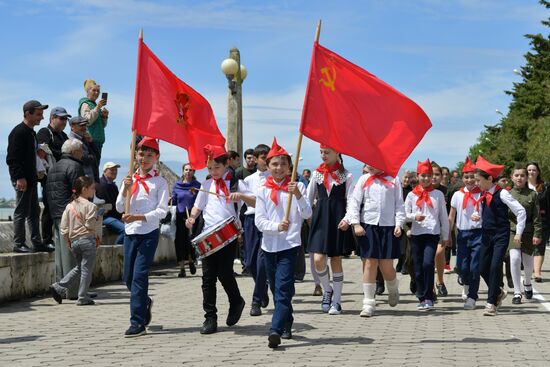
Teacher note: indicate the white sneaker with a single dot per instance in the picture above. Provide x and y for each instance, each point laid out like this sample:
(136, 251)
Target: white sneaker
(465, 290)
(335, 309)
(393, 298)
(369, 305)
(470, 304)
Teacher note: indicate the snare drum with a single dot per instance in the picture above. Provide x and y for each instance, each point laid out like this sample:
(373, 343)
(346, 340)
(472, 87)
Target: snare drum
(217, 237)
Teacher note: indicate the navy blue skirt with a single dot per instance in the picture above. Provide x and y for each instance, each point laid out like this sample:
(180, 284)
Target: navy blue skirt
(378, 243)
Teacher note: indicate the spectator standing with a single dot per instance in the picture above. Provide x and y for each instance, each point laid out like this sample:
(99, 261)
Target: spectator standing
(78, 132)
(22, 160)
(45, 161)
(96, 115)
(53, 134)
(249, 165)
(107, 190)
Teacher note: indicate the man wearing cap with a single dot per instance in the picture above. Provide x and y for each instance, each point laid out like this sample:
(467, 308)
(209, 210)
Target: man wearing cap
(107, 190)
(21, 160)
(53, 134)
(78, 131)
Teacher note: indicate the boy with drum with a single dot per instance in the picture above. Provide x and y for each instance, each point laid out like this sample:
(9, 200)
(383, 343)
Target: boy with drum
(218, 200)
(281, 238)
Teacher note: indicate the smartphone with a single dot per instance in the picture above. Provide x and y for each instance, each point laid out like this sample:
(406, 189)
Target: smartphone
(104, 96)
(100, 212)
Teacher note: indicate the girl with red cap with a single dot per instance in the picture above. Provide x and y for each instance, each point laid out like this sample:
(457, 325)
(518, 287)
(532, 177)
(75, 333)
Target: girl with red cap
(377, 214)
(495, 230)
(219, 200)
(331, 186)
(425, 208)
(281, 238)
(148, 205)
(466, 208)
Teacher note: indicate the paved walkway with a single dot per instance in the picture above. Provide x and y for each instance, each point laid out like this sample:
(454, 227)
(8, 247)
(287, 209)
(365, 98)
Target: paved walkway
(38, 332)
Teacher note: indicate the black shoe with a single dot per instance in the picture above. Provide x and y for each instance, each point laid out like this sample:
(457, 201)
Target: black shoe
(50, 247)
(86, 302)
(235, 312)
(255, 310)
(528, 293)
(92, 294)
(380, 289)
(265, 301)
(441, 290)
(192, 268)
(459, 280)
(210, 326)
(148, 312)
(182, 274)
(538, 280)
(134, 331)
(287, 333)
(412, 287)
(56, 296)
(517, 299)
(22, 249)
(404, 271)
(273, 340)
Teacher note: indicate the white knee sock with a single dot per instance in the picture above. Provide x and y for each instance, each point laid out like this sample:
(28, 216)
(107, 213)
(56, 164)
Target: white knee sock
(369, 290)
(324, 279)
(337, 283)
(392, 285)
(528, 267)
(515, 269)
(313, 271)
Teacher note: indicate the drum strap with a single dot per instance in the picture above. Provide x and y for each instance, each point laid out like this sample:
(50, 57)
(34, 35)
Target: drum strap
(234, 187)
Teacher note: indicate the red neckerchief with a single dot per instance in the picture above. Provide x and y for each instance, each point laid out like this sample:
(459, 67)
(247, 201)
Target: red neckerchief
(220, 184)
(380, 177)
(469, 195)
(138, 179)
(489, 197)
(271, 184)
(326, 171)
(423, 195)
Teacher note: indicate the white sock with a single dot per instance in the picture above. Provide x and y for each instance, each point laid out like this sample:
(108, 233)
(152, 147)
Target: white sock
(528, 267)
(392, 285)
(515, 269)
(324, 279)
(313, 271)
(369, 290)
(337, 283)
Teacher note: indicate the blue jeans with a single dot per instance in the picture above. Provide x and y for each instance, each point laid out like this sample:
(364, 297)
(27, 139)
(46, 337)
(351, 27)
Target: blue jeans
(139, 252)
(491, 256)
(280, 267)
(423, 253)
(117, 226)
(467, 259)
(255, 262)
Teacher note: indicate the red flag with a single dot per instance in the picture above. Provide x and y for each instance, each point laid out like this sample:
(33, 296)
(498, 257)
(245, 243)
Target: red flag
(168, 109)
(357, 114)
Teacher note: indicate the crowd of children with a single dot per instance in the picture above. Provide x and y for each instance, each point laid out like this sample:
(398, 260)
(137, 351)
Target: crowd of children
(378, 218)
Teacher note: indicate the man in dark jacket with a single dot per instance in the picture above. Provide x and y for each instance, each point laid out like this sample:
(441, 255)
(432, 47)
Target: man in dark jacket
(89, 161)
(21, 160)
(107, 190)
(53, 134)
(59, 187)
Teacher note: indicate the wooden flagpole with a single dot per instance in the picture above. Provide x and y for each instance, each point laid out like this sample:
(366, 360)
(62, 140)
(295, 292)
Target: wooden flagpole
(299, 145)
(133, 144)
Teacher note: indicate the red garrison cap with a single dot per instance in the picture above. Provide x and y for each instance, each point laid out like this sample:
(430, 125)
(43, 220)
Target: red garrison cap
(424, 167)
(213, 151)
(492, 169)
(276, 150)
(149, 143)
(468, 166)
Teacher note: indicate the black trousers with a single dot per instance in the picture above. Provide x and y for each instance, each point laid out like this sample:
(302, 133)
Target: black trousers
(46, 221)
(219, 266)
(182, 243)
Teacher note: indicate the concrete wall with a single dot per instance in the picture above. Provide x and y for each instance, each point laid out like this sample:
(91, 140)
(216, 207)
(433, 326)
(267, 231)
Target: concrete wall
(27, 275)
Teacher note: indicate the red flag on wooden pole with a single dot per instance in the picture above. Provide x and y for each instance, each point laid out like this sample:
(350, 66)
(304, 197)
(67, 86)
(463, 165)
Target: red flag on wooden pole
(357, 114)
(168, 109)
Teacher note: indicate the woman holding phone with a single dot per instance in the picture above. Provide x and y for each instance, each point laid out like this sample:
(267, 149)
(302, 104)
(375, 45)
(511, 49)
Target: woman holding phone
(95, 113)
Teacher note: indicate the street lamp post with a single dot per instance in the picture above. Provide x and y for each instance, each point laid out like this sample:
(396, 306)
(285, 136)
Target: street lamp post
(235, 73)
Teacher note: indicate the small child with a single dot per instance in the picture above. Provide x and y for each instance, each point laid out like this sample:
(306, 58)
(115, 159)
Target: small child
(222, 203)
(495, 230)
(466, 208)
(425, 207)
(148, 205)
(281, 238)
(79, 227)
(531, 237)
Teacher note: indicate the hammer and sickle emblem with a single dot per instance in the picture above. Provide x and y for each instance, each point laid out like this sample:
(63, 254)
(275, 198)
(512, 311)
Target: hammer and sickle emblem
(329, 77)
(182, 104)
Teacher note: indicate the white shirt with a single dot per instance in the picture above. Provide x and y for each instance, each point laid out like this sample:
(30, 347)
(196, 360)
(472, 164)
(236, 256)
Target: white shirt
(436, 221)
(216, 209)
(269, 216)
(382, 204)
(464, 220)
(515, 207)
(253, 183)
(153, 205)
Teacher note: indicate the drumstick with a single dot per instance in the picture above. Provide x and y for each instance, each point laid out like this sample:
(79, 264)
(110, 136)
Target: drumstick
(208, 192)
(190, 229)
